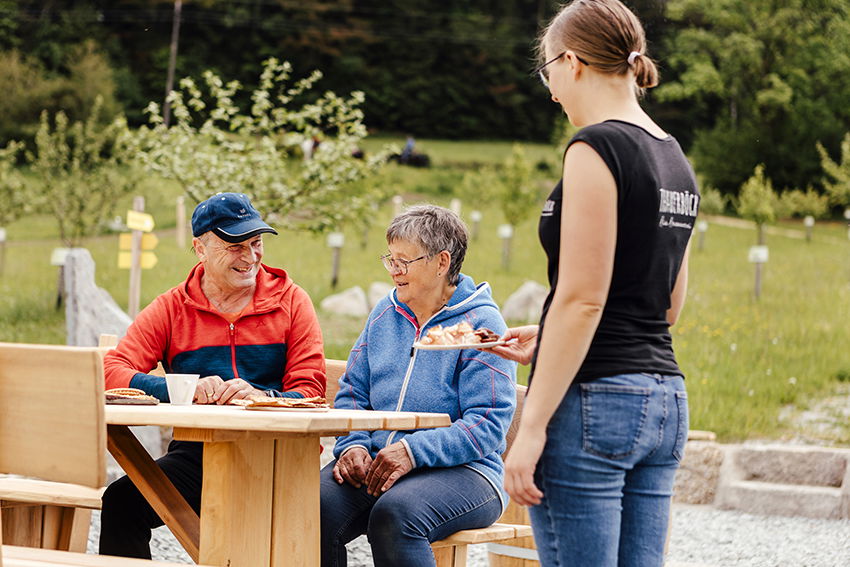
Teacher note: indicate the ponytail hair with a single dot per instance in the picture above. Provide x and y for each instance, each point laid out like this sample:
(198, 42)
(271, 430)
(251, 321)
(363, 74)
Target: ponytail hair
(607, 35)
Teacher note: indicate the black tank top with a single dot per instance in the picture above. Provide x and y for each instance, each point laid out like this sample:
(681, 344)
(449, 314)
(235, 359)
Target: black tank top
(657, 201)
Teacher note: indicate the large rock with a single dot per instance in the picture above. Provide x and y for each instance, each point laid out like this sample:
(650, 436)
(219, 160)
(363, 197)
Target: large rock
(378, 291)
(526, 303)
(699, 474)
(89, 310)
(351, 302)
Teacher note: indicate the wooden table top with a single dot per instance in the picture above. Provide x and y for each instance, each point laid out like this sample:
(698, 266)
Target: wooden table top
(236, 418)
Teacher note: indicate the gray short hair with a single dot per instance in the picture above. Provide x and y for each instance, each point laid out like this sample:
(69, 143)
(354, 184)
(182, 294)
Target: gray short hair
(435, 229)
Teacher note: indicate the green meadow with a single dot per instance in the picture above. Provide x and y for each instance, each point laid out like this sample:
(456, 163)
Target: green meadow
(745, 359)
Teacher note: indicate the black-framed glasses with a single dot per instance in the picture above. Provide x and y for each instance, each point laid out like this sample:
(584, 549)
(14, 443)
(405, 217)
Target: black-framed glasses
(398, 265)
(544, 74)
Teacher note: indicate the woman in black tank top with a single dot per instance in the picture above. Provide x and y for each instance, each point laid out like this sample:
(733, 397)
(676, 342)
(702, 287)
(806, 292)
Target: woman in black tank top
(606, 417)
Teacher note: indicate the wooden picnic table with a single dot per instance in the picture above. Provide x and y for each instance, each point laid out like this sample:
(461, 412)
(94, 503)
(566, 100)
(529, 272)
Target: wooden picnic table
(260, 500)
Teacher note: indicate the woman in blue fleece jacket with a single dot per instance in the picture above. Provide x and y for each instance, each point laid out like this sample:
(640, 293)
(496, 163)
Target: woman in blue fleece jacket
(406, 489)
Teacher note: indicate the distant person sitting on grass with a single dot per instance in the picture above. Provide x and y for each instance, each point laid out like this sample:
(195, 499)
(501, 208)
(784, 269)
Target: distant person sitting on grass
(245, 327)
(406, 489)
(407, 152)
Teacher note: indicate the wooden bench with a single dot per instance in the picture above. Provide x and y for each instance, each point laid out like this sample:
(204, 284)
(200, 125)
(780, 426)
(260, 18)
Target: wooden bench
(452, 551)
(52, 427)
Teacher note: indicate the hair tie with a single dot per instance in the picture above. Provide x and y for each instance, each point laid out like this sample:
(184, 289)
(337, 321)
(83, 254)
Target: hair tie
(632, 56)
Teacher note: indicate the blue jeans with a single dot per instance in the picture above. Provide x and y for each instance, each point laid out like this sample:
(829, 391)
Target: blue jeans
(612, 450)
(424, 505)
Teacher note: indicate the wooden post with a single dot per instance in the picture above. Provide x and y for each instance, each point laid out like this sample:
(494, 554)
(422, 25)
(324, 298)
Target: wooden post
(135, 264)
(506, 232)
(336, 240)
(172, 61)
(475, 216)
(702, 227)
(181, 222)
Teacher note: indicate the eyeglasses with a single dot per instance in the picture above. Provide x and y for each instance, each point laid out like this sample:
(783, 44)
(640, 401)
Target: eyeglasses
(401, 266)
(543, 73)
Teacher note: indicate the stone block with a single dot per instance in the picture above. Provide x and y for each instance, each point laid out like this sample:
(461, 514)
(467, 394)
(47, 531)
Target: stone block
(351, 302)
(378, 291)
(813, 466)
(770, 499)
(526, 303)
(699, 473)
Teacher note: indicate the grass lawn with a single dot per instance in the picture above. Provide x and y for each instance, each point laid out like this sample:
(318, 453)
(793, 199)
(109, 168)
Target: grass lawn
(744, 359)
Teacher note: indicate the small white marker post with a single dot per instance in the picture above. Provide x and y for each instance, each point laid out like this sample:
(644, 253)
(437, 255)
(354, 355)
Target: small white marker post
(455, 206)
(2, 249)
(181, 222)
(336, 240)
(702, 227)
(475, 217)
(758, 255)
(57, 258)
(506, 232)
(398, 203)
(809, 223)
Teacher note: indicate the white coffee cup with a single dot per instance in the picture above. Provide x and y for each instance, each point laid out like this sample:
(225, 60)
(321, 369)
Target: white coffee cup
(181, 388)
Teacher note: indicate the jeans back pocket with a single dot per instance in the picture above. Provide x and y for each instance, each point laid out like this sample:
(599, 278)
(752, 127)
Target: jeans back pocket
(612, 418)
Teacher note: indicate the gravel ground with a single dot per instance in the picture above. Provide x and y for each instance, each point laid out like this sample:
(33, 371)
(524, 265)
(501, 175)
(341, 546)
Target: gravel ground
(701, 535)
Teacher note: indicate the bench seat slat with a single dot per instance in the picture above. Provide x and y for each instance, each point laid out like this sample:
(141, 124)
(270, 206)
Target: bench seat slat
(14, 556)
(52, 493)
(496, 532)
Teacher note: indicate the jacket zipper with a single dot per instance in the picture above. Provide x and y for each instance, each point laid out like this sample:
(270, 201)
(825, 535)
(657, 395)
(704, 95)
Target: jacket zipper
(407, 374)
(233, 350)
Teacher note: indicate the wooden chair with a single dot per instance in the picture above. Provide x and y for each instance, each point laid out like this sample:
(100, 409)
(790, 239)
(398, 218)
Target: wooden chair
(52, 427)
(452, 551)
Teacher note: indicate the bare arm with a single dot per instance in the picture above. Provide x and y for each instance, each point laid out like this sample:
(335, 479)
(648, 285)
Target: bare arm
(680, 290)
(586, 263)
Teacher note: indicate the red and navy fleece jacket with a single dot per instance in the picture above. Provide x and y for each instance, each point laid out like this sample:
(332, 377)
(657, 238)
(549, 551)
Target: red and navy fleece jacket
(276, 346)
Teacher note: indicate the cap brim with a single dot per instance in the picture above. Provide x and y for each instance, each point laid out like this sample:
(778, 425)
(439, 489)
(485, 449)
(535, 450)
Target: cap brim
(242, 231)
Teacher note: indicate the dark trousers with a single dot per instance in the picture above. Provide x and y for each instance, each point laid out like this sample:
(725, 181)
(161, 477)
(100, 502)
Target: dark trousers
(127, 519)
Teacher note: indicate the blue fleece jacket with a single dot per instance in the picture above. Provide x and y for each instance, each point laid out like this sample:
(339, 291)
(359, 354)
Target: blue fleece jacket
(477, 389)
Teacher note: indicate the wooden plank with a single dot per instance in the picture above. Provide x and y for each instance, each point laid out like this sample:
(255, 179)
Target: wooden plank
(75, 533)
(22, 525)
(236, 524)
(46, 492)
(454, 556)
(53, 394)
(295, 517)
(155, 487)
(14, 556)
(239, 419)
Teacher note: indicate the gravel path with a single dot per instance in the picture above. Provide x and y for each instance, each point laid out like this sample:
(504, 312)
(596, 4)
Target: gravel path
(702, 535)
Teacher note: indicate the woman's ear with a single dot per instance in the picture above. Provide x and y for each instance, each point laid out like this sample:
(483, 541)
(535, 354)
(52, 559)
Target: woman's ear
(445, 262)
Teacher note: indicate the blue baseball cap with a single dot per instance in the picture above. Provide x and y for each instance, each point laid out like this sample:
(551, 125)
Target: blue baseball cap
(230, 216)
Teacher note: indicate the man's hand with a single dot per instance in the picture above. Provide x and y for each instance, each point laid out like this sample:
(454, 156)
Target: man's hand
(353, 466)
(206, 388)
(391, 463)
(235, 389)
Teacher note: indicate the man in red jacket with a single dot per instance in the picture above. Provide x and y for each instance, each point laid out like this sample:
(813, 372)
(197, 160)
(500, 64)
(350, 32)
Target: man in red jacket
(245, 327)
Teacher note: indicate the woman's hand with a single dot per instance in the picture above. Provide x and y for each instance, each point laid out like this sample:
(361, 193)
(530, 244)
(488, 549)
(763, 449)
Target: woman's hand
(206, 388)
(521, 346)
(520, 464)
(353, 466)
(391, 463)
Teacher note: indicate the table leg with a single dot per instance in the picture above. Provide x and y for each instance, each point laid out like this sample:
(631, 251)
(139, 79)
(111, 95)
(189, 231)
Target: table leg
(295, 534)
(236, 503)
(155, 487)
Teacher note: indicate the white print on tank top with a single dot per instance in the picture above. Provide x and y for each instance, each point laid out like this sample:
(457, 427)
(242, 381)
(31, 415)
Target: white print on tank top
(548, 208)
(678, 203)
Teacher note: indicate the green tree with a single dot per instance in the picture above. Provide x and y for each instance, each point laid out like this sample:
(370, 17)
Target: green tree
(82, 169)
(837, 183)
(15, 201)
(517, 193)
(765, 75)
(712, 201)
(758, 202)
(214, 146)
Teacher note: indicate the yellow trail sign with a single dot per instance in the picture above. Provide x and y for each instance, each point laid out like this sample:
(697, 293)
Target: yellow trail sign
(148, 260)
(139, 221)
(149, 241)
